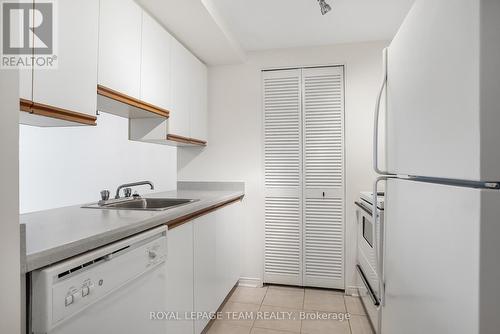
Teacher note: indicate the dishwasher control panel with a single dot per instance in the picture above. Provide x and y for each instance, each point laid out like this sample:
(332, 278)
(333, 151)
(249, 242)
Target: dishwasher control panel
(76, 293)
(69, 287)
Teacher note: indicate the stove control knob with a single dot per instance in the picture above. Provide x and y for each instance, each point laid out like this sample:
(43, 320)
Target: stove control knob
(152, 254)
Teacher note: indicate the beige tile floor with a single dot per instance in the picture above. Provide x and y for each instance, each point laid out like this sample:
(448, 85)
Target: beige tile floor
(292, 301)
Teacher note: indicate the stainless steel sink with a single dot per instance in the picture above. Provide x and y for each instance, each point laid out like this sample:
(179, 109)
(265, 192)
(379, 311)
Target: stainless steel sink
(146, 204)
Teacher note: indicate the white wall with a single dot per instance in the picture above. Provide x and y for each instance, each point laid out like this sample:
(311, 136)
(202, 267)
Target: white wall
(67, 166)
(234, 149)
(10, 279)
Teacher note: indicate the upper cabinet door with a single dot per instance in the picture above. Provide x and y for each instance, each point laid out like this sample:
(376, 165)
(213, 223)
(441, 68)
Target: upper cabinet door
(182, 65)
(26, 74)
(156, 66)
(120, 46)
(72, 85)
(198, 107)
(26, 84)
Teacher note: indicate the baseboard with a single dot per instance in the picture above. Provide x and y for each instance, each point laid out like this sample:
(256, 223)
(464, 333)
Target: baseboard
(351, 291)
(250, 282)
(211, 322)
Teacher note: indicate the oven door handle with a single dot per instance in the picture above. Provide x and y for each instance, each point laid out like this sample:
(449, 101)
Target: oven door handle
(367, 285)
(368, 211)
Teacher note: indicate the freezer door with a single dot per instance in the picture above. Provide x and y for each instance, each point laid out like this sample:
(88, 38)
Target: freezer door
(443, 91)
(431, 259)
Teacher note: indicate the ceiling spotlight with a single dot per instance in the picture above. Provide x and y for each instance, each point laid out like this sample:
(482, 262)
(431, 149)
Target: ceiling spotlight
(325, 8)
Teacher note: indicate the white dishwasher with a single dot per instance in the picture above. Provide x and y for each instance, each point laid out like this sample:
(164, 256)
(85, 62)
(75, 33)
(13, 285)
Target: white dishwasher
(109, 290)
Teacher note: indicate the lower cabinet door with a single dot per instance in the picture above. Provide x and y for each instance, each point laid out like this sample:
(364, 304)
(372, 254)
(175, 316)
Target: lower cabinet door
(228, 250)
(234, 247)
(205, 271)
(180, 278)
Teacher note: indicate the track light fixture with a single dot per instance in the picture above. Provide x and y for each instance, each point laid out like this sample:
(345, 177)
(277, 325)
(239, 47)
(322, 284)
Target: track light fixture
(325, 7)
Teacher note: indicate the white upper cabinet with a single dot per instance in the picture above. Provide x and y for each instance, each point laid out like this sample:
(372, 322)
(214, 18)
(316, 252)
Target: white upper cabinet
(66, 94)
(120, 46)
(26, 84)
(199, 102)
(171, 78)
(26, 75)
(72, 85)
(189, 95)
(156, 73)
(182, 64)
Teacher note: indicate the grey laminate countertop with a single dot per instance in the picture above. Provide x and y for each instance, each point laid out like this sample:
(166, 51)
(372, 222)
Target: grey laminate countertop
(58, 234)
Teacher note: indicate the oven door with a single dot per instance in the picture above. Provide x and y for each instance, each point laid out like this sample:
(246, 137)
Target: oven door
(366, 246)
(366, 271)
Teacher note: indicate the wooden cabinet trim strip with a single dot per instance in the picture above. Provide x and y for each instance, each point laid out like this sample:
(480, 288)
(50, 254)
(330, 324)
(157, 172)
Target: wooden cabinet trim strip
(25, 105)
(186, 140)
(179, 139)
(198, 142)
(131, 101)
(55, 112)
(187, 218)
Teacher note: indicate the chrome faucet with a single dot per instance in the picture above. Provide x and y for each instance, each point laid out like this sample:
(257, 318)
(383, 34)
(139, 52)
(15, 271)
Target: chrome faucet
(128, 185)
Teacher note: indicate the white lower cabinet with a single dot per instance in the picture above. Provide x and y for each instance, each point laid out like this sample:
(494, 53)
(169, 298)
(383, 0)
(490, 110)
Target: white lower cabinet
(203, 267)
(205, 273)
(227, 260)
(180, 277)
(216, 260)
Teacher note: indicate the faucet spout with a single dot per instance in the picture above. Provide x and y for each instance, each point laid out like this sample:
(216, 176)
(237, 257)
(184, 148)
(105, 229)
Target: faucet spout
(128, 185)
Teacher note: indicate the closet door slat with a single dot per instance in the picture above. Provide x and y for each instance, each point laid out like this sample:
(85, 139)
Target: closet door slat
(323, 225)
(283, 176)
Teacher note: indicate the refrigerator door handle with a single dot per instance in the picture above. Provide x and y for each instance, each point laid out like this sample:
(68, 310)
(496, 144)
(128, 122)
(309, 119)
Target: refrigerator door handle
(383, 86)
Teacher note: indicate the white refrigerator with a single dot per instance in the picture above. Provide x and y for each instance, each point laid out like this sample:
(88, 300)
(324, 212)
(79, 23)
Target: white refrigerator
(441, 256)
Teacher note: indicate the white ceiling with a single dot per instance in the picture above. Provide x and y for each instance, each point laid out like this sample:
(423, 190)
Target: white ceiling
(271, 24)
(198, 25)
(222, 31)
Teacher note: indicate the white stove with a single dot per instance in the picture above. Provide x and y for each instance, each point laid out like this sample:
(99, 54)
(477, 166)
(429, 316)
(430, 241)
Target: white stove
(368, 240)
(367, 196)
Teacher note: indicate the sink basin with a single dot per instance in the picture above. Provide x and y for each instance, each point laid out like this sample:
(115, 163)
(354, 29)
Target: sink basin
(146, 204)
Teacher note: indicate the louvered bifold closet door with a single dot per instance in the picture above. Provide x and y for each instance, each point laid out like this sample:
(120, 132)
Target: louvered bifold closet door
(323, 227)
(283, 176)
